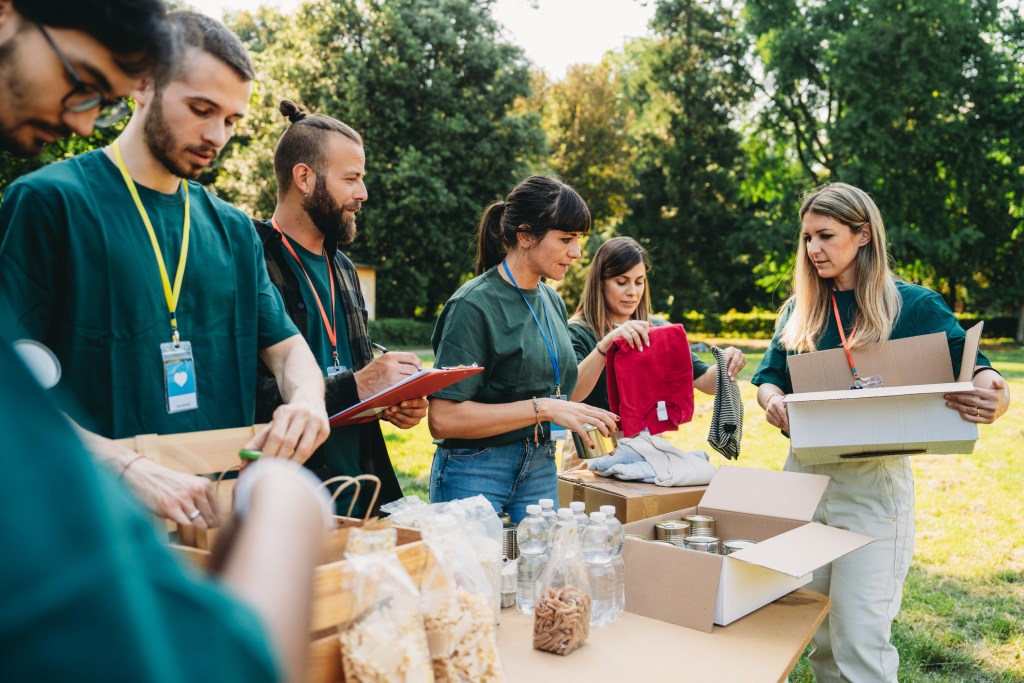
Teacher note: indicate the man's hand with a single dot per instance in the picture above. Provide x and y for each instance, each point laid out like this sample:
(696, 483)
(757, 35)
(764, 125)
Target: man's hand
(407, 413)
(174, 495)
(298, 429)
(386, 371)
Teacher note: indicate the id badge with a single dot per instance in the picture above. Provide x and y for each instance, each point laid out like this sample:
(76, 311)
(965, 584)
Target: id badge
(179, 377)
(557, 433)
(333, 370)
(872, 382)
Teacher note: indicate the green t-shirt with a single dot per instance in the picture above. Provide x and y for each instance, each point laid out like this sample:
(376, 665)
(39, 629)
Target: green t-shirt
(88, 591)
(923, 312)
(78, 270)
(583, 343)
(341, 450)
(487, 322)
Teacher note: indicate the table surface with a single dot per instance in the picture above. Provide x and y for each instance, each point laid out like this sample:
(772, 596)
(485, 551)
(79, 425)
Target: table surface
(762, 646)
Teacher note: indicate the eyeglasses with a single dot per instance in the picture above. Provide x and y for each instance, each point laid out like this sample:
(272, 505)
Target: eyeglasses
(86, 96)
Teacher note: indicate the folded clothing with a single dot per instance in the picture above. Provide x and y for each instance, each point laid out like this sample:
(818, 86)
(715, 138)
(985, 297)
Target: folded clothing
(651, 389)
(654, 460)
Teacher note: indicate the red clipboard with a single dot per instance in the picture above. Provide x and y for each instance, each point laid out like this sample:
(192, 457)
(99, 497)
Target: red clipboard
(423, 383)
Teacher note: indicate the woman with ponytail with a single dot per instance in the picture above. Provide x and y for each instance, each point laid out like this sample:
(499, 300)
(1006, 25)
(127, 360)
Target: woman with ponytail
(495, 429)
(845, 295)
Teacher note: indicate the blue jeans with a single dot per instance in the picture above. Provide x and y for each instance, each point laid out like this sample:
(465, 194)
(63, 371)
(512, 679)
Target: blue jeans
(511, 476)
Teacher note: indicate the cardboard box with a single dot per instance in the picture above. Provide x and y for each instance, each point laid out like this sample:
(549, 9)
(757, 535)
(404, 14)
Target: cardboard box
(830, 423)
(697, 589)
(633, 500)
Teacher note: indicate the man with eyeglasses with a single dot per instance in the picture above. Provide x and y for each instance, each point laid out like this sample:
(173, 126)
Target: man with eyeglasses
(48, 92)
(87, 589)
(152, 292)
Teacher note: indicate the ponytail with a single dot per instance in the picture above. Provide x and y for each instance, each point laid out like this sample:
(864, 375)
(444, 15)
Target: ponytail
(491, 245)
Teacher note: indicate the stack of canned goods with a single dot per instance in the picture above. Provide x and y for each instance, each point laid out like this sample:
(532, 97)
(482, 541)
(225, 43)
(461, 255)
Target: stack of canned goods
(702, 534)
(672, 531)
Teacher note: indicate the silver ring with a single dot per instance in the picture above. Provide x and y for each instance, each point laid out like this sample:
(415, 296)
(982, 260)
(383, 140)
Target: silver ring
(192, 515)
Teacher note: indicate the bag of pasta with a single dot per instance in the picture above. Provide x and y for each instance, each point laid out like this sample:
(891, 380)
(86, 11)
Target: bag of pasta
(561, 622)
(458, 614)
(385, 641)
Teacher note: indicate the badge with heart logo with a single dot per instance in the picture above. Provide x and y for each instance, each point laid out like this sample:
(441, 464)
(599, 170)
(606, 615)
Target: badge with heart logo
(179, 376)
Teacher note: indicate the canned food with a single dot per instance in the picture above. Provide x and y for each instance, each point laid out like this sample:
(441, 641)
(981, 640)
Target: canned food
(701, 525)
(603, 445)
(509, 543)
(705, 544)
(734, 544)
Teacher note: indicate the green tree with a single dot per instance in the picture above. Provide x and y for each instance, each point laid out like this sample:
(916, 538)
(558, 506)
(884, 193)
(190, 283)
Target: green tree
(688, 84)
(914, 102)
(431, 87)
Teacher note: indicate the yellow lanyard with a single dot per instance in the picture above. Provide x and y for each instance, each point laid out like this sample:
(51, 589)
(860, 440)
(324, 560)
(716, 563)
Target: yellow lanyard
(172, 295)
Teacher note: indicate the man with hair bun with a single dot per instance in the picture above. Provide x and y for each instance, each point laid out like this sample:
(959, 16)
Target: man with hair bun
(320, 166)
(152, 292)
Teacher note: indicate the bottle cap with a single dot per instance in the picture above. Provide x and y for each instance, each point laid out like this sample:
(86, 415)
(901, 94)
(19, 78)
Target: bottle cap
(564, 513)
(533, 509)
(577, 506)
(597, 517)
(608, 510)
(246, 454)
(546, 503)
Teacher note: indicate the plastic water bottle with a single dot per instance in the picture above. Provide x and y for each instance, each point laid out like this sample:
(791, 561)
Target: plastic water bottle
(532, 537)
(619, 536)
(578, 508)
(598, 551)
(547, 511)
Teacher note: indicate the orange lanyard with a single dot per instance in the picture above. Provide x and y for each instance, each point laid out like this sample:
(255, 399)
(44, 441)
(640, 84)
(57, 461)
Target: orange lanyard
(330, 325)
(842, 336)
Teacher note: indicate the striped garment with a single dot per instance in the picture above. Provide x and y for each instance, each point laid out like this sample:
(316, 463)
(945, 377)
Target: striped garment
(727, 421)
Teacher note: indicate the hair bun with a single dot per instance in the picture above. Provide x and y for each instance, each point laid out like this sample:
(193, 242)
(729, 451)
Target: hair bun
(291, 110)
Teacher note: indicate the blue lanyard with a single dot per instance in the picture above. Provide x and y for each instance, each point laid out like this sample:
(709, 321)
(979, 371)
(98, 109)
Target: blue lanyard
(551, 347)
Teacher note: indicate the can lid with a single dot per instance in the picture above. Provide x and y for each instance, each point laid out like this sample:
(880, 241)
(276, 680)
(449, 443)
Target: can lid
(246, 454)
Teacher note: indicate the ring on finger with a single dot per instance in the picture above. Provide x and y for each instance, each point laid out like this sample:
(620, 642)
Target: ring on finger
(977, 411)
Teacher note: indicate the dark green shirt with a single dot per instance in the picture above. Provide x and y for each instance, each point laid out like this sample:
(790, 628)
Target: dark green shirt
(487, 322)
(87, 590)
(923, 312)
(341, 450)
(78, 269)
(584, 341)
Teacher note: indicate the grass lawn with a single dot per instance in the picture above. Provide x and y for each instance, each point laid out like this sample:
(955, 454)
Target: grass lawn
(963, 603)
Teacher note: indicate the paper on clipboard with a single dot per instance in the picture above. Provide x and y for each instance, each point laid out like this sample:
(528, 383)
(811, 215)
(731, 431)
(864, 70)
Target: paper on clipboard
(418, 385)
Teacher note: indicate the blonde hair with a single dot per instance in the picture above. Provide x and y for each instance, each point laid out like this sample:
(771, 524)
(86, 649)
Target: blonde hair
(615, 257)
(878, 301)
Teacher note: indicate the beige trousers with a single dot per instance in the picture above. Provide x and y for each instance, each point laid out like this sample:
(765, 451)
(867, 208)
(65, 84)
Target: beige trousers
(876, 498)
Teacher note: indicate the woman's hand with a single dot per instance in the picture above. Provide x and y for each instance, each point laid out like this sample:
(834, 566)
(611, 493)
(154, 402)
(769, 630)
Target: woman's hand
(576, 416)
(735, 360)
(635, 332)
(986, 403)
(770, 397)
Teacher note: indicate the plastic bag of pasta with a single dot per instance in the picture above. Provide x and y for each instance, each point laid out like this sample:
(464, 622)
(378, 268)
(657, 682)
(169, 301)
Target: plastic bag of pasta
(385, 642)
(458, 614)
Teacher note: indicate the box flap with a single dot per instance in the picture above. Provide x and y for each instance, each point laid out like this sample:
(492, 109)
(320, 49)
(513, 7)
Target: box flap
(789, 495)
(901, 362)
(970, 356)
(880, 392)
(803, 549)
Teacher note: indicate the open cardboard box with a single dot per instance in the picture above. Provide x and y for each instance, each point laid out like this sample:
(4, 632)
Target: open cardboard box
(830, 423)
(633, 500)
(697, 589)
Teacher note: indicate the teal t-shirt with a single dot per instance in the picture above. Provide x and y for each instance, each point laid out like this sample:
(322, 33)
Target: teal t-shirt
(78, 270)
(583, 343)
(341, 450)
(923, 312)
(88, 591)
(487, 322)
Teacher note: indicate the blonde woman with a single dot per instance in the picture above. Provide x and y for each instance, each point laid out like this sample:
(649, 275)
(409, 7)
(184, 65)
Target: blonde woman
(845, 295)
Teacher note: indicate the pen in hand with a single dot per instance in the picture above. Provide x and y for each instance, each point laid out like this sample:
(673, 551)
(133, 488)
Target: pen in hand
(379, 347)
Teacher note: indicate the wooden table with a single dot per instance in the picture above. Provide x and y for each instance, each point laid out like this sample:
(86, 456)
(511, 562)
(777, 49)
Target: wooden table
(762, 646)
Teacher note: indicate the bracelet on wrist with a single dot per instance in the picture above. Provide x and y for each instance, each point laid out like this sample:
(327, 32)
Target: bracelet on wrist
(768, 403)
(130, 463)
(536, 416)
(598, 349)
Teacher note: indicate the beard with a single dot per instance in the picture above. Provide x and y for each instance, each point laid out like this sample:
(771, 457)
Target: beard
(164, 146)
(329, 217)
(17, 94)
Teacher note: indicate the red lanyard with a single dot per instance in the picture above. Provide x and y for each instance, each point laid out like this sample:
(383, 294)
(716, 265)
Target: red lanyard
(330, 325)
(842, 336)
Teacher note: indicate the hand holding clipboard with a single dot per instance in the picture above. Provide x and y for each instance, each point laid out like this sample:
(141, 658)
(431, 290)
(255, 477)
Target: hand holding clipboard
(417, 385)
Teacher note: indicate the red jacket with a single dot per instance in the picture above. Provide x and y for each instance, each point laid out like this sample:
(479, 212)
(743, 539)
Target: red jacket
(652, 389)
